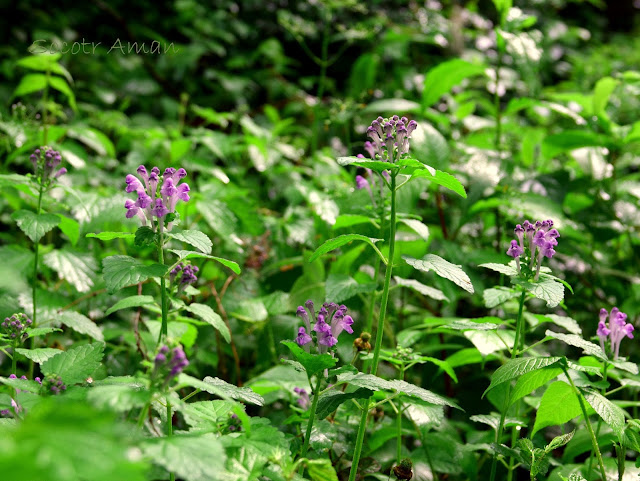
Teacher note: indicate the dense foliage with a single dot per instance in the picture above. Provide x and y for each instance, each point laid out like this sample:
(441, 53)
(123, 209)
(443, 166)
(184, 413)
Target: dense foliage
(326, 240)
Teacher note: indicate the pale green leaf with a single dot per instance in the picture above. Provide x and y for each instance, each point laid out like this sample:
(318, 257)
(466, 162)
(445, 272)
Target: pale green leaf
(443, 268)
(558, 405)
(77, 268)
(423, 289)
(340, 287)
(121, 271)
(129, 302)
(197, 239)
(515, 368)
(39, 355)
(76, 364)
(208, 315)
(81, 324)
(184, 255)
(339, 241)
(442, 78)
(35, 226)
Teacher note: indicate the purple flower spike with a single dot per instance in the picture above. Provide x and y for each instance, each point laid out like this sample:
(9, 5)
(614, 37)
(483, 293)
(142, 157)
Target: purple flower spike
(361, 182)
(330, 321)
(617, 329)
(303, 400)
(515, 250)
(303, 338)
(159, 210)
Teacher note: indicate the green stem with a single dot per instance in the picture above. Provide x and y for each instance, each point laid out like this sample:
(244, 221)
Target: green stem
(399, 422)
(503, 415)
(312, 416)
(594, 441)
(143, 414)
(606, 365)
(383, 312)
(13, 359)
(172, 477)
(34, 291)
(163, 286)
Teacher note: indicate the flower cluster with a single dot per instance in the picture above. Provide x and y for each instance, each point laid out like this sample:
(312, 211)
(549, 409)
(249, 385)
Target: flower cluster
(303, 397)
(616, 331)
(185, 274)
(541, 238)
(329, 324)
(16, 407)
(16, 325)
(175, 363)
(45, 162)
(54, 384)
(149, 204)
(389, 138)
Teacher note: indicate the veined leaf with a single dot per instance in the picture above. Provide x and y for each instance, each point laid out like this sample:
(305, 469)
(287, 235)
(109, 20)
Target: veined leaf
(423, 289)
(77, 268)
(122, 271)
(129, 302)
(557, 406)
(184, 255)
(339, 241)
(589, 348)
(442, 178)
(197, 239)
(81, 324)
(610, 413)
(76, 364)
(208, 315)
(517, 367)
(312, 363)
(35, 226)
(443, 268)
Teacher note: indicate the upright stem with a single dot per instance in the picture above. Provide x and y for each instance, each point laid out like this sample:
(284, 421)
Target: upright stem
(399, 423)
(503, 415)
(594, 441)
(599, 425)
(312, 416)
(383, 311)
(172, 476)
(163, 286)
(34, 290)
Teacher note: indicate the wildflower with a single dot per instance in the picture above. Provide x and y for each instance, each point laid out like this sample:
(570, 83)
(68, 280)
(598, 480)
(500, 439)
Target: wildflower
(54, 385)
(187, 275)
(303, 398)
(152, 205)
(167, 366)
(541, 239)
(15, 327)
(389, 138)
(362, 343)
(45, 162)
(329, 324)
(617, 329)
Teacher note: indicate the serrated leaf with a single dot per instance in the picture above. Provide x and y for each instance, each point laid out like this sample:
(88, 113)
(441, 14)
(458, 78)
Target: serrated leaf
(339, 241)
(331, 400)
(550, 291)
(77, 268)
(192, 458)
(589, 348)
(631, 367)
(39, 331)
(557, 406)
(423, 289)
(441, 178)
(312, 363)
(529, 382)
(207, 414)
(21, 384)
(495, 296)
(184, 255)
(122, 271)
(610, 413)
(515, 368)
(39, 355)
(559, 441)
(118, 398)
(501, 268)
(129, 302)
(471, 324)
(443, 268)
(197, 239)
(208, 315)
(105, 236)
(144, 236)
(375, 383)
(81, 324)
(243, 394)
(76, 364)
(490, 341)
(321, 470)
(35, 226)
(340, 287)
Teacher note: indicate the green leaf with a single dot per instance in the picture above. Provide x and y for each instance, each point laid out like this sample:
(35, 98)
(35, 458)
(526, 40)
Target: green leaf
(570, 140)
(493, 420)
(321, 470)
(340, 287)
(349, 220)
(39, 355)
(550, 291)
(207, 314)
(92, 138)
(33, 82)
(35, 226)
(418, 227)
(601, 94)
(44, 63)
(145, 236)
(495, 296)
(129, 302)
(207, 415)
(331, 400)
(490, 341)
(312, 363)
(184, 255)
(506, 269)
(429, 144)
(41, 331)
(118, 398)
(81, 324)
(374, 383)
(105, 236)
(423, 289)
(339, 241)
(557, 406)
(70, 227)
(122, 271)
(589, 348)
(243, 394)
(566, 322)
(76, 364)
(559, 441)
(391, 106)
(529, 382)
(197, 239)
(517, 367)
(375, 165)
(192, 458)
(610, 413)
(442, 78)
(441, 178)
(77, 268)
(443, 268)
(22, 384)
(61, 86)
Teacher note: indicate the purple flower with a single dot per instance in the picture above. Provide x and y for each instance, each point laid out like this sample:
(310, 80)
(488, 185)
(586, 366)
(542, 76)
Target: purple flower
(329, 324)
(15, 327)
(541, 240)
(303, 398)
(45, 162)
(617, 329)
(389, 138)
(303, 338)
(515, 250)
(150, 207)
(168, 366)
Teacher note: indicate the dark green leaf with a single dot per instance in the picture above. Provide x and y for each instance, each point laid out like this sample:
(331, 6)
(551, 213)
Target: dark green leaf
(76, 364)
(35, 226)
(312, 363)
